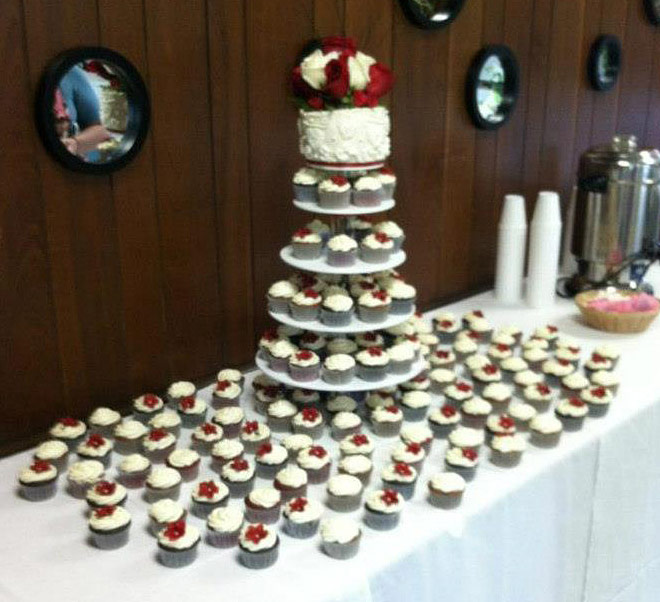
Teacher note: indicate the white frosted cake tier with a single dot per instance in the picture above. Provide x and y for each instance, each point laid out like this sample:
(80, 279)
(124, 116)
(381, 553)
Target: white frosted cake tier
(321, 266)
(354, 326)
(352, 210)
(357, 384)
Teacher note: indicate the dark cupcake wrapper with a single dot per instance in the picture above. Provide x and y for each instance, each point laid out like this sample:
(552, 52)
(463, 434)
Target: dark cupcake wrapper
(306, 192)
(239, 489)
(544, 439)
(373, 315)
(38, 492)
(153, 495)
(338, 377)
(372, 373)
(336, 318)
(301, 530)
(304, 313)
(175, 559)
(268, 471)
(342, 551)
(203, 509)
(261, 559)
(219, 539)
(381, 521)
(407, 490)
(375, 255)
(446, 501)
(386, 429)
(344, 503)
(334, 200)
(111, 540)
(191, 421)
(466, 472)
(306, 250)
(413, 414)
(505, 460)
(304, 374)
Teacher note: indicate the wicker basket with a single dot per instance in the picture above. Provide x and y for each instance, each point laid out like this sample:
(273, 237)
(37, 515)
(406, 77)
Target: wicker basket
(624, 323)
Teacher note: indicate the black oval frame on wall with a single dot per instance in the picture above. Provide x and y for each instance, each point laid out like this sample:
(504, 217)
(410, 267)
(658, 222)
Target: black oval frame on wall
(416, 15)
(604, 44)
(652, 8)
(139, 109)
(511, 85)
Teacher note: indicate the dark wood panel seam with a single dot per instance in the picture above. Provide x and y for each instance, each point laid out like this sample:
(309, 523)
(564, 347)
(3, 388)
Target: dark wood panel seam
(547, 75)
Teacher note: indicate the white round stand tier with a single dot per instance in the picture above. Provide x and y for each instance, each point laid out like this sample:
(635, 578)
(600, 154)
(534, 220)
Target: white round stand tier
(321, 266)
(355, 325)
(313, 207)
(357, 384)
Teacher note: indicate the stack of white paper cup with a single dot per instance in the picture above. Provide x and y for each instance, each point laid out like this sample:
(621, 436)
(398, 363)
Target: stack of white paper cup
(512, 238)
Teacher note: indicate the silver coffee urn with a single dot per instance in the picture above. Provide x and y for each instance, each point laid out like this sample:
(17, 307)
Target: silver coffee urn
(616, 225)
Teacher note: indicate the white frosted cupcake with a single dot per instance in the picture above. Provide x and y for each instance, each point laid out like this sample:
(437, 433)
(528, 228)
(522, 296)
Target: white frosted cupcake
(163, 482)
(376, 248)
(106, 493)
(521, 413)
(69, 430)
(545, 430)
(305, 306)
(270, 458)
(401, 477)
(186, 462)
(446, 490)
(103, 421)
(334, 193)
(466, 438)
(109, 527)
(38, 481)
(305, 181)
(279, 295)
(337, 310)
(177, 544)
(506, 450)
(367, 192)
(340, 538)
(146, 406)
(280, 351)
(415, 405)
(598, 400)
(342, 250)
(258, 545)
(339, 369)
(357, 466)
(302, 517)
(192, 411)
(392, 230)
(572, 412)
(462, 461)
(55, 452)
(344, 493)
(402, 356)
(167, 420)
(95, 447)
(163, 512)
(134, 470)
(403, 297)
(345, 424)
(128, 436)
(205, 436)
(374, 306)
(304, 366)
(383, 509)
(82, 475)
(306, 244)
(179, 389)
(607, 379)
(223, 527)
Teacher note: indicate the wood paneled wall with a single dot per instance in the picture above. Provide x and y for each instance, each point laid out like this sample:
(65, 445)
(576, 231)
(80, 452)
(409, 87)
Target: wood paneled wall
(111, 286)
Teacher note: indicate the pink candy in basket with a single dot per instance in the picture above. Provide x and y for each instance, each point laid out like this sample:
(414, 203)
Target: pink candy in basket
(629, 304)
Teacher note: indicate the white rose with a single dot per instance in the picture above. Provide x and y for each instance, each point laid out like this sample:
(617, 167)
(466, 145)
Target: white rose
(312, 68)
(358, 69)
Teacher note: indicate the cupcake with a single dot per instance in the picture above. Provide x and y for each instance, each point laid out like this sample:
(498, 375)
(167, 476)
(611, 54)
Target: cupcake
(571, 413)
(223, 527)
(443, 420)
(192, 411)
(306, 244)
(526, 378)
(380, 398)
(462, 461)
(334, 193)
(167, 420)
(226, 394)
(95, 447)
(521, 413)
(344, 493)
(134, 470)
(163, 482)
(403, 297)
(163, 512)
(464, 347)
(239, 476)
(476, 362)
(258, 546)
(444, 359)
(340, 538)
(356, 466)
(474, 412)
(573, 384)
(339, 369)
(230, 419)
(204, 437)
(547, 333)
(376, 248)
(263, 505)
(180, 389)
(232, 375)
(466, 438)
(280, 413)
(440, 379)
(157, 445)
(313, 342)
(186, 462)
(429, 342)
(342, 345)
(295, 443)
(253, 434)
(291, 482)
(445, 326)
(367, 192)
(266, 396)
(511, 331)
(109, 527)
(146, 406)
(535, 356)
(344, 424)
(415, 405)
(536, 342)
(106, 493)
(499, 425)
(267, 340)
(498, 395)
(342, 250)
(103, 421)
(510, 366)
(387, 180)
(304, 306)
(270, 458)
(446, 490)
(412, 454)
(540, 396)
(225, 451)
(305, 181)
(393, 231)
(481, 326)
(279, 296)
(128, 436)
(304, 366)
(386, 421)
(309, 421)
(38, 481)
(418, 433)
(68, 430)
(321, 228)
(610, 352)
(315, 461)
(54, 452)
(607, 379)
(598, 400)
(340, 403)
(383, 509)
(177, 544)
(458, 392)
(569, 354)
(501, 337)
(556, 369)
(498, 352)
(372, 364)
(401, 477)
(545, 430)
(302, 517)
(337, 310)
(484, 376)
(82, 475)
(374, 306)
(506, 450)
(402, 356)
(357, 444)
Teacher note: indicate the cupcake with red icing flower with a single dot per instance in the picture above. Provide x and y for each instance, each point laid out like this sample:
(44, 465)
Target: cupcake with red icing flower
(571, 413)
(253, 434)
(226, 393)
(315, 461)
(376, 248)
(177, 544)
(334, 192)
(342, 250)
(304, 366)
(374, 306)
(158, 444)
(95, 447)
(109, 527)
(368, 191)
(186, 462)
(443, 420)
(69, 430)
(401, 477)
(239, 476)
(306, 244)
(270, 458)
(305, 306)
(106, 493)
(204, 437)
(302, 517)
(383, 509)
(259, 546)
(192, 411)
(38, 481)
(146, 407)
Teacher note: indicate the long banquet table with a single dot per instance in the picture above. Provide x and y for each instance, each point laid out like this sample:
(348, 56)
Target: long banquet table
(580, 522)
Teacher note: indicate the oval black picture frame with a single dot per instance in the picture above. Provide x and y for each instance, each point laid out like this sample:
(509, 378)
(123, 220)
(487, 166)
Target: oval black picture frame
(604, 44)
(417, 16)
(138, 115)
(511, 85)
(652, 8)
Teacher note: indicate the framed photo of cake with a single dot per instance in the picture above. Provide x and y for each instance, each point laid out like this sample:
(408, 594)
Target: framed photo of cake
(431, 14)
(92, 110)
(604, 63)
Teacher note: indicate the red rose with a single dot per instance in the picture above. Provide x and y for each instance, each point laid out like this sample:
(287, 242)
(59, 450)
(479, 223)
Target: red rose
(362, 99)
(340, 44)
(300, 87)
(336, 73)
(315, 102)
(381, 80)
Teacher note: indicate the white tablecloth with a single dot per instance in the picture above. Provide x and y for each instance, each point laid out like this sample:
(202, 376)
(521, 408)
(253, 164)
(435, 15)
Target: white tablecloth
(578, 522)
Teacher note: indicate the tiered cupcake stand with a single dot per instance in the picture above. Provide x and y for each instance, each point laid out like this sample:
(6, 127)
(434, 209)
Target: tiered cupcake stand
(339, 225)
